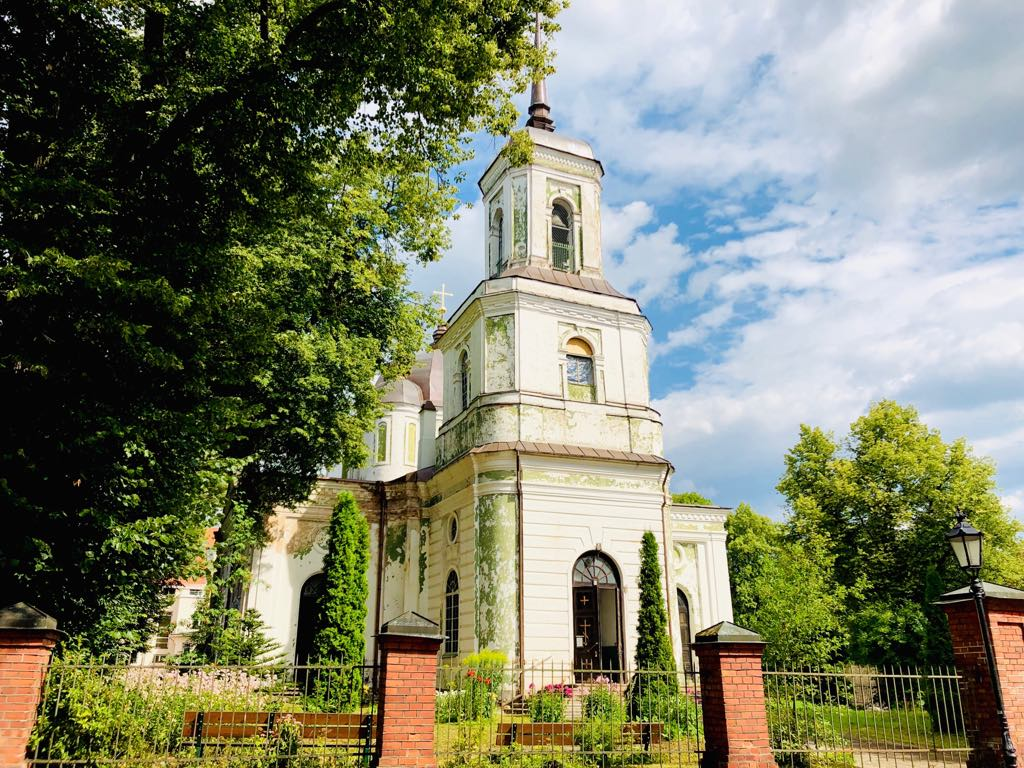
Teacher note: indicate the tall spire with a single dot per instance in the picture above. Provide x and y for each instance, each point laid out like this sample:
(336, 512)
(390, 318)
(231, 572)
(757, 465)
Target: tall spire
(540, 111)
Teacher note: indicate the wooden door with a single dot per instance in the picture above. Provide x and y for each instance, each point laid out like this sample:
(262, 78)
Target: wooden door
(587, 633)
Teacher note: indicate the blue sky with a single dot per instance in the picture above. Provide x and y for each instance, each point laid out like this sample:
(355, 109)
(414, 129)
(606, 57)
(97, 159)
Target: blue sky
(817, 204)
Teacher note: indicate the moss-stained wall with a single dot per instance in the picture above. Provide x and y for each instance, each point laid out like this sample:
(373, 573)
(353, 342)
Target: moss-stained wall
(499, 374)
(497, 573)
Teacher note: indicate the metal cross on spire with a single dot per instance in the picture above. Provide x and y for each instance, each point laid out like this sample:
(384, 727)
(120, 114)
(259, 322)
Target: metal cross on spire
(441, 295)
(540, 111)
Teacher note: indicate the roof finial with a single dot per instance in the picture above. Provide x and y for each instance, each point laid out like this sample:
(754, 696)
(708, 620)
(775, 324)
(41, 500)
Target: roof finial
(540, 112)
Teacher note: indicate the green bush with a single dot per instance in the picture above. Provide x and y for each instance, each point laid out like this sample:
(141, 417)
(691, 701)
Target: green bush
(548, 704)
(603, 703)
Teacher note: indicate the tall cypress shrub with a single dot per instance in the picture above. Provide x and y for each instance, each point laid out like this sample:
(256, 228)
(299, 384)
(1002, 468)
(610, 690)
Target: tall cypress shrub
(340, 637)
(654, 687)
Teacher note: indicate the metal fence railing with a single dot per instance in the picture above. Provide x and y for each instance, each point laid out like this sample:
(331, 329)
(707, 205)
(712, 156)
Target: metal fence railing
(267, 716)
(861, 716)
(552, 715)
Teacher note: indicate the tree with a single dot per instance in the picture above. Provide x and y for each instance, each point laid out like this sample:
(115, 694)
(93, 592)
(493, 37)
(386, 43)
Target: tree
(691, 497)
(205, 221)
(341, 622)
(650, 693)
(880, 503)
(228, 637)
(784, 590)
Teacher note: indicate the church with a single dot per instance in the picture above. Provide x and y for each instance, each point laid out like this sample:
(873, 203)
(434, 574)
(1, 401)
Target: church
(517, 467)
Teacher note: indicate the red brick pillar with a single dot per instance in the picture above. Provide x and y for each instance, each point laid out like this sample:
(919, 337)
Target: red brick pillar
(408, 649)
(732, 698)
(1005, 609)
(27, 636)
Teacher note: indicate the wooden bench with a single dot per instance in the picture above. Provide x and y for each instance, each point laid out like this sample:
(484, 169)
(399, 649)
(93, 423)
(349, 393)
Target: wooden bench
(344, 730)
(563, 734)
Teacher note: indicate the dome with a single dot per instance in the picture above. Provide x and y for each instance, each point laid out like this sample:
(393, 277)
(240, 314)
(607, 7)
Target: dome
(405, 392)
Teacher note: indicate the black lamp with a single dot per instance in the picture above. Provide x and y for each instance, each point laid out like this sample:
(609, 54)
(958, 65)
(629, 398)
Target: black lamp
(965, 541)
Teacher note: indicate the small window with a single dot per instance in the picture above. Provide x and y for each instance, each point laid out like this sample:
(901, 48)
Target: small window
(381, 453)
(464, 379)
(498, 229)
(579, 370)
(453, 529)
(451, 614)
(410, 444)
(561, 238)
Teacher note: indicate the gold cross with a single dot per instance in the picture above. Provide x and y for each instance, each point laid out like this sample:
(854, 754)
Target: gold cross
(441, 294)
(585, 626)
(584, 599)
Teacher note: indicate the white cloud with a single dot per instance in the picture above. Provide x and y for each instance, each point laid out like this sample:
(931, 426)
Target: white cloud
(867, 162)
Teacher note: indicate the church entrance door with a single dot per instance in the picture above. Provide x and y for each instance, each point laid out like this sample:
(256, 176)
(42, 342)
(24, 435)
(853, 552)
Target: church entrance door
(597, 631)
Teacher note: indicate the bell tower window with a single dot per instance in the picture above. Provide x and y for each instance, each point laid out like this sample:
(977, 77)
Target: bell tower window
(561, 238)
(499, 259)
(464, 379)
(579, 370)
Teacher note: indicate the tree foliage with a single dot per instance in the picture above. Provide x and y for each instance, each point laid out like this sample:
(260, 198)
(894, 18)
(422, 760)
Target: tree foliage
(784, 590)
(691, 497)
(878, 504)
(341, 619)
(205, 217)
(650, 691)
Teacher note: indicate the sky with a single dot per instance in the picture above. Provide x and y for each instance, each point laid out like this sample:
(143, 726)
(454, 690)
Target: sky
(818, 205)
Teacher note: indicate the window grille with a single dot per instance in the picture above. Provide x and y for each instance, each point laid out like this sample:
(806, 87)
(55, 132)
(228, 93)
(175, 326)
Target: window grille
(561, 238)
(451, 614)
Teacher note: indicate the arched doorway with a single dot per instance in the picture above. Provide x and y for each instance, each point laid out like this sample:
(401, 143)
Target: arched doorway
(684, 630)
(597, 628)
(305, 632)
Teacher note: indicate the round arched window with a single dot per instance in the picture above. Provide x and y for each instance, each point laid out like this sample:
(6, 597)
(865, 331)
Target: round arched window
(561, 238)
(594, 569)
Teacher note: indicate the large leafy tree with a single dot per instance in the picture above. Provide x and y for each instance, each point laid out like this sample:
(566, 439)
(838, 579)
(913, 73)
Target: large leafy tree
(879, 502)
(784, 590)
(205, 215)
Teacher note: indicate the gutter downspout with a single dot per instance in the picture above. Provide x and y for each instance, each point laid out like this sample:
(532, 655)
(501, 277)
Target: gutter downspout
(522, 569)
(665, 503)
(383, 501)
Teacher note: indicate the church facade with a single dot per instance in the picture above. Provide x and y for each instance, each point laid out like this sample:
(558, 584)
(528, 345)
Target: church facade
(518, 466)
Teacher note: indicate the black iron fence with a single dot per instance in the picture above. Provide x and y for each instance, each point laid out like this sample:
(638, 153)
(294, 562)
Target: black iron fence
(236, 717)
(859, 716)
(550, 715)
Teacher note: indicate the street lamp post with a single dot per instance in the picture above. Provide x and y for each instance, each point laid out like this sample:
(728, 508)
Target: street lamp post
(965, 540)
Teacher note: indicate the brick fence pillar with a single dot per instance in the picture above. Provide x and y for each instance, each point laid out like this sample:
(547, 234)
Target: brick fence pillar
(1005, 609)
(732, 698)
(27, 637)
(408, 649)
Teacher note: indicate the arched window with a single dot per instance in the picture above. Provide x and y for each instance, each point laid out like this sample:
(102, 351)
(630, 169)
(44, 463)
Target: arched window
(498, 226)
(381, 452)
(451, 614)
(464, 379)
(594, 569)
(579, 369)
(410, 444)
(684, 629)
(561, 238)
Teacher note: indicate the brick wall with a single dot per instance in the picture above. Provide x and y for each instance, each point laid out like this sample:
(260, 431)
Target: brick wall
(1006, 624)
(24, 657)
(405, 721)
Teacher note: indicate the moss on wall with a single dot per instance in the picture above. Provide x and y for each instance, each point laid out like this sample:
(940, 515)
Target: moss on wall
(424, 540)
(395, 541)
(499, 335)
(497, 573)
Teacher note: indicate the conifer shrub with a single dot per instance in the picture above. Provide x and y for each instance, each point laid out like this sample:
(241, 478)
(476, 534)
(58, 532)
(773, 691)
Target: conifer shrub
(340, 638)
(654, 690)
